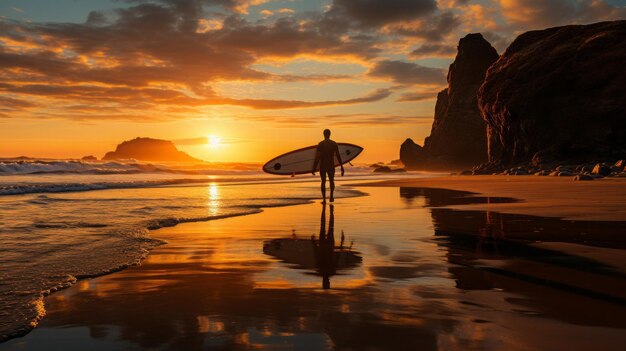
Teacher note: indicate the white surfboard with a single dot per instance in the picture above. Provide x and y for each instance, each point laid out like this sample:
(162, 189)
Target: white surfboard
(301, 161)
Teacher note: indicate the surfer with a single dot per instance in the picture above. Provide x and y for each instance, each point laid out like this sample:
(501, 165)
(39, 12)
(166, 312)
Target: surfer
(325, 158)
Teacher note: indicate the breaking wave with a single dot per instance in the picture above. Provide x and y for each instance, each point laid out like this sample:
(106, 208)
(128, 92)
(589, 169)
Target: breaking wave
(22, 167)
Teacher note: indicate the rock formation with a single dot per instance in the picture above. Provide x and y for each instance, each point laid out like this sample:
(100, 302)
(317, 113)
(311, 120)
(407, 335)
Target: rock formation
(411, 154)
(147, 149)
(458, 137)
(558, 95)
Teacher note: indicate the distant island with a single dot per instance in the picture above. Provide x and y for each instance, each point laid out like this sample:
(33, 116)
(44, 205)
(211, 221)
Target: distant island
(148, 149)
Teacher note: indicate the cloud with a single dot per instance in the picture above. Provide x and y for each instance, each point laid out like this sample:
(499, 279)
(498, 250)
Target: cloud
(433, 29)
(7, 103)
(543, 13)
(288, 37)
(139, 99)
(155, 55)
(204, 140)
(431, 50)
(408, 73)
(412, 97)
(374, 13)
(265, 104)
(192, 141)
(343, 120)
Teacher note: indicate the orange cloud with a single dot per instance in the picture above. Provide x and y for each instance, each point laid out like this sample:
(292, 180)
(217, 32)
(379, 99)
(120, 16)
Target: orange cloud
(408, 73)
(542, 13)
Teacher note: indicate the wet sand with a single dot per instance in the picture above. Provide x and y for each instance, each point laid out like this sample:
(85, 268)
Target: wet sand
(409, 274)
(602, 200)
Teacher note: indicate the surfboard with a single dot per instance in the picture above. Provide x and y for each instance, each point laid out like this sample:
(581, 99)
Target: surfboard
(301, 161)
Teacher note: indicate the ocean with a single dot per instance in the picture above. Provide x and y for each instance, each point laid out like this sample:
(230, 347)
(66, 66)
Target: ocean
(63, 220)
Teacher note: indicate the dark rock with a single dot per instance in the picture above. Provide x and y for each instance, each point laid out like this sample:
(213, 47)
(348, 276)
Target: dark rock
(487, 168)
(466, 172)
(383, 169)
(558, 92)
(411, 154)
(588, 168)
(561, 174)
(519, 171)
(565, 168)
(458, 138)
(583, 177)
(538, 159)
(601, 169)
(89, 158)
(147, 149)
(386, 169)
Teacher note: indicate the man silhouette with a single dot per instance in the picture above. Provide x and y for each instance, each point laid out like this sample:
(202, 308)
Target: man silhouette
(325, 158)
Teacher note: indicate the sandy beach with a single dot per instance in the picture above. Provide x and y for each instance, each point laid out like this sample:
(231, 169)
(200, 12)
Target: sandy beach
(412, 266)
(603, 200)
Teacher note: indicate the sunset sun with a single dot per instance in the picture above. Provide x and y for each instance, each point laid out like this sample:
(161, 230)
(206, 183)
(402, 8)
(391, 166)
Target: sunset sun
(214, 141)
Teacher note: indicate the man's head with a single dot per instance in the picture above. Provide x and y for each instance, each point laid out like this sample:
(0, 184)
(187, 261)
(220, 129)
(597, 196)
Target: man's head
(326, 133)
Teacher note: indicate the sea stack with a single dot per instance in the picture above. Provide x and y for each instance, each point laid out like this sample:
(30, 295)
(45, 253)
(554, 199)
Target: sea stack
(558, 95)
(148, 149)
(458, 137)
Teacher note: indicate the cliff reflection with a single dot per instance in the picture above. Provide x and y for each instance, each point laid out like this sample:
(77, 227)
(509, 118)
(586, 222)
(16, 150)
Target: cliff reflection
(321, 255)
(525, 255)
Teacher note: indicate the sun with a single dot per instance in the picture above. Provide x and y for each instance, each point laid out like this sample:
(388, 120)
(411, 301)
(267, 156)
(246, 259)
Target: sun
(214, 141)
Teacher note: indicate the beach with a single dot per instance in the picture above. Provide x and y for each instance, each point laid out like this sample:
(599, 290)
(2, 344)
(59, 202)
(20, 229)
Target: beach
(561, 197)
(484, 263)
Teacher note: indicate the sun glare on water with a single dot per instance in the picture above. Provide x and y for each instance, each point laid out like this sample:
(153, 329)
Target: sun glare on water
(214, 141)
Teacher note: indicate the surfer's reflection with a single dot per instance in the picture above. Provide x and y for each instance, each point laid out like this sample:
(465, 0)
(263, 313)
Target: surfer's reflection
(321, 254)
(325, 248)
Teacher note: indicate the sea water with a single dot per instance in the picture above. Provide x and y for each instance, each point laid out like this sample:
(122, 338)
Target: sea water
(61, 221)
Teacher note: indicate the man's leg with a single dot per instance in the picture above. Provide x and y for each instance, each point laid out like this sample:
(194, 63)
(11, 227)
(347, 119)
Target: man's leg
(331, 179)
(323, 187)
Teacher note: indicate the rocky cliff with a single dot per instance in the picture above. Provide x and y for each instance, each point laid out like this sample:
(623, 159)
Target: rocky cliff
(147, 149)
(458, 137)
(558, 95)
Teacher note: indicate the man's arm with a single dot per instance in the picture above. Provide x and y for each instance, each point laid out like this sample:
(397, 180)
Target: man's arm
(339, 159)
(317, 160)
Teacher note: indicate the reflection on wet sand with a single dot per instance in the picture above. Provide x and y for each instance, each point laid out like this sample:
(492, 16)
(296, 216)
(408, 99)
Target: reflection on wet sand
(429, 279)
(491, 250)
(322, 254)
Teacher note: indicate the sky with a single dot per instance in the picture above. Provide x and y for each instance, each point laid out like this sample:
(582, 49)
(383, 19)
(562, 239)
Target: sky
(256, 77)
